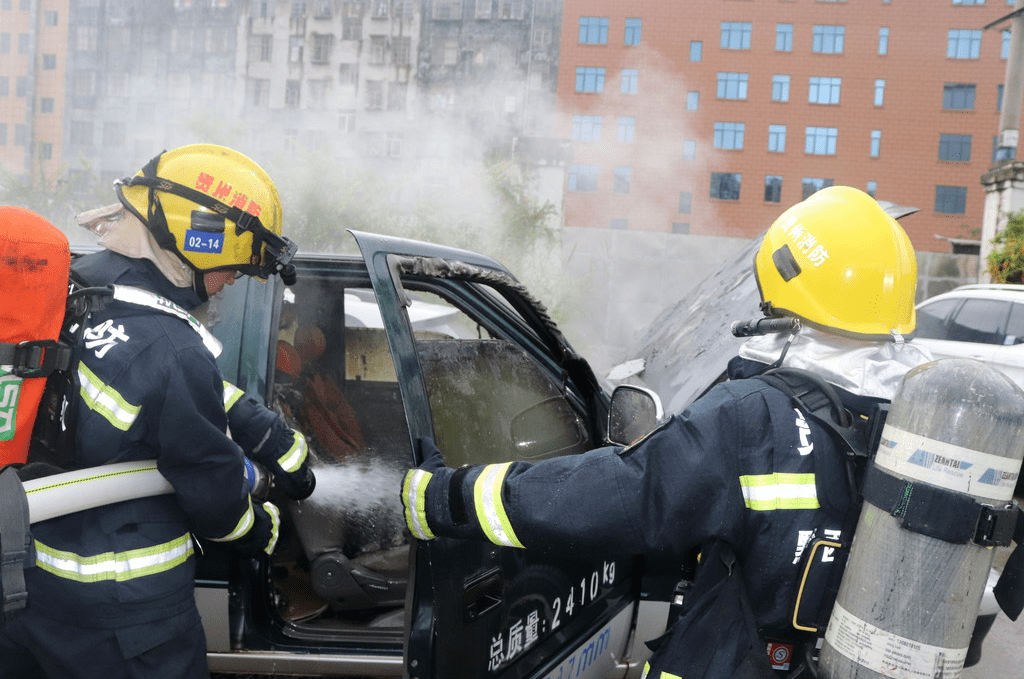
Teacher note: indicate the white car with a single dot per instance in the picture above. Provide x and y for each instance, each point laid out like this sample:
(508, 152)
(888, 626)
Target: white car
(984, 322)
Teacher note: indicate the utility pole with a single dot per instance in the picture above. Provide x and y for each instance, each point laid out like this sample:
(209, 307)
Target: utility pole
(1004, 182)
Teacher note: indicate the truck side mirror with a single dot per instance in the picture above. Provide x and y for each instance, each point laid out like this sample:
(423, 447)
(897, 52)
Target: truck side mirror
(634, 413)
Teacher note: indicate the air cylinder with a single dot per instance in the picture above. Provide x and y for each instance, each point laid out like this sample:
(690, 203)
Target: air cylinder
(907, 603)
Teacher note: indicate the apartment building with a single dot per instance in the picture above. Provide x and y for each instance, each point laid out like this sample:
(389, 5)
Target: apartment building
(710, 118)
(33, 52)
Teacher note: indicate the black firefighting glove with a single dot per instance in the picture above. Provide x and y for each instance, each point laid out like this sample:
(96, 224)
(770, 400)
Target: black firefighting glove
(266, 439)
(262, 535)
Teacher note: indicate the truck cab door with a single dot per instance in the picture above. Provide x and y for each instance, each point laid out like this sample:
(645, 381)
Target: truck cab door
(486, 384)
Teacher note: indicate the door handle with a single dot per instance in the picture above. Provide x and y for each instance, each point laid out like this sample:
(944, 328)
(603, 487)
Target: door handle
(483, 593)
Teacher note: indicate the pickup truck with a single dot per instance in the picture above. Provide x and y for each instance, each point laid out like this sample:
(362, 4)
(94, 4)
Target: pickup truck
(366, 355)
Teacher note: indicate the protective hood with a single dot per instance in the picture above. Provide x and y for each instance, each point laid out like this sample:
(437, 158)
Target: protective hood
(866, 368)
(122, 232)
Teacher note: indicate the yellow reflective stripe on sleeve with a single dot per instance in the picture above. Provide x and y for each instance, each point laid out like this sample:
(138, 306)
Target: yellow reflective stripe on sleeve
(490, 511)
(117, 566)
(296, 455)
(414, 492)
(231, 395)
(244, 524)
(275, 527)
(766, 492)
(106, 401)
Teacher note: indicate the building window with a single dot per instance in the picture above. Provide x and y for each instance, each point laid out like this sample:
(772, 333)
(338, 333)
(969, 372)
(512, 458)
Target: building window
(81, 133)
(583, 178)
(593, 30)
(736, 35)
(296, 43)
(626, 130)
(589, 79)
(511, 9)
(402, 50)
(374, 95)
(777, 138)
(379, 10)
(725, 185)
(49, 62)
(114, 134)
(999, 98)
(811, 185)
(83, 83)
(634, 27)
(828, 39)
(783, 37)
(876, 143)
(257, 92)
(872, 188)
(963, 44)
(772, 188)
(958, 96)
(3, 134)
(824, 90)
(975, 2)
(692, 101)
(260, 47)
(696, 50)
(20, 134)
(483, 9)
(292, 89)
(689, 149)
(630, 76)
(883, 41)
(23, 43)
(780, 88)
(378, 48)
(879, 92)
(46, 105)
(1004, 52)
(5, 43)
(445, 10)
(955, 147)
(348, 74)
(347, 121)
(619, 224)
(951, 200)
(5, 85)
(50, 17)
(46, 151)
(586, 128)
(680, 227)
(732, 85)
(821, 141)
(351, 29)
(729, 136)
(322, 48)
(685, 202)
(623, 179)
(21, 85)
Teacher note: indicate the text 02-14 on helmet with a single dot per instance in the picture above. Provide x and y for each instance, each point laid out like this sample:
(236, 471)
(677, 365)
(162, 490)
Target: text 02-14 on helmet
(838, 262)
(213, 207)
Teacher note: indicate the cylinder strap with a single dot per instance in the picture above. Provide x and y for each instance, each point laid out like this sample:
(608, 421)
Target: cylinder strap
(15, 542)
(938, 512)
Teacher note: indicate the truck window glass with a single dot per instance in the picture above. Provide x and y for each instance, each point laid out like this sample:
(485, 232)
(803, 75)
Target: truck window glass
(490, 402)
(344, 564)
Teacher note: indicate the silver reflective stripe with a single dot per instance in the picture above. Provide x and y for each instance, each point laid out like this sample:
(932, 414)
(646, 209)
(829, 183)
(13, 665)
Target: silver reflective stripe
(414, 491)
(766, 492)
(117, 566)
(243, 526)
(275, 525)
(490, 511)
(296, 455)
(140, 297)
(104, 400)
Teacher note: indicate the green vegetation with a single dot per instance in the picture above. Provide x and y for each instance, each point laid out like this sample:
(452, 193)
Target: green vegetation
(1006, 261)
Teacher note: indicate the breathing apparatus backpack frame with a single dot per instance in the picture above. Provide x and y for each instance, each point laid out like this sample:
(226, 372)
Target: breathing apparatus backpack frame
(921, 508)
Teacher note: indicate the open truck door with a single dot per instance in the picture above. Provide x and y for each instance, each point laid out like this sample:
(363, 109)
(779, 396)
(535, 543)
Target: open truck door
(491, 384)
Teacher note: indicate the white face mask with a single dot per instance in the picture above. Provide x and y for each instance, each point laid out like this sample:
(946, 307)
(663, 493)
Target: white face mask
(121, 231)
(864, 367)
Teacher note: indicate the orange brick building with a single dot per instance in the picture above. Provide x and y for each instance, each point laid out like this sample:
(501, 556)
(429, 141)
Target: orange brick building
(33, 53)
(711, 118)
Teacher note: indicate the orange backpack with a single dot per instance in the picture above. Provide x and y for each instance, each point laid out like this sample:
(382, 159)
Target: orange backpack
(35, 259)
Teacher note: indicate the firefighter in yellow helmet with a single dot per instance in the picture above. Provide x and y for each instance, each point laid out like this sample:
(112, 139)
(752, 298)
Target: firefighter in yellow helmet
(749, 475)
(111, 593)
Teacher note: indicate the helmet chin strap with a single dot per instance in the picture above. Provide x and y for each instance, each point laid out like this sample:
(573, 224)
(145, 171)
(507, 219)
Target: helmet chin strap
(199, 285)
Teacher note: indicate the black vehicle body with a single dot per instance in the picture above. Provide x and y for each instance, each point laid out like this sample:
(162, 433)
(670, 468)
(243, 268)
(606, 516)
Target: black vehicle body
(415, 341)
